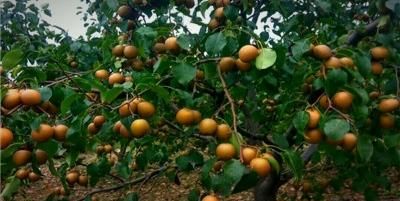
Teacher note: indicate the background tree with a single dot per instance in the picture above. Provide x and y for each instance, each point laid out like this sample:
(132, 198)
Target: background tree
(250, 103)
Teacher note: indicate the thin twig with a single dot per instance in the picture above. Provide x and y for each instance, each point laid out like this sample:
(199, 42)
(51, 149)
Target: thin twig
(230, 100)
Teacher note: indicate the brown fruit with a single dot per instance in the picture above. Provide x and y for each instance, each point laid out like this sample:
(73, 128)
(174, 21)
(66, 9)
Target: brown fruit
(248, 154)
(6, 137)
(12, 99)
(387, 121)
(199, 75)
(74, 64)
(128, 79)
(374, 95)
(101, 74)
(223, 132)
(334, 142)
(118, 50)
(207, 126)
(324, 102)
(83, 180)
(159, 48)
(72, 177)
(22, 173)
(210, 198)
(92, 129)
(108, 148)
(248, 53)
(130, 51)
(261, 166)
(99, 149)
(333, 62)
(60, 132)
(22, 157)
(33, 177)
(226, 64)
(185, 116)
(313, 136)
(213, 24)
(342, 100)
(30, 97)
(347, 62)
(41, 156)
(49, 107)
(127, 108)
(171, 44)
(139, 127)
(349, 141)
(116, 78)
(388, 105)
(117, 126)
(137, 65)
(379, 53)
(322, 51)
(242, 66)
(307, 186)
(315, 116)
(99, 120)
(219, 13)
(376, 68)
(189, 3)
(145, 109)
(44, 133)
(124, 132)
(124, 11)
(196, 116)
(225, 151)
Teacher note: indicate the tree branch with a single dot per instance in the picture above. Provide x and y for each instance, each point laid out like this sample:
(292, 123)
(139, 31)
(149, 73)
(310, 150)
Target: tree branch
(356, 36)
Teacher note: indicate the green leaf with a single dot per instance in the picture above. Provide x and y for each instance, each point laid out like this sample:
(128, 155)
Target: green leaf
(392, 140)
(45, 93)
(194, 195)
(112, 4)
(300, 47)
(363, 63)
(336, 128)
(50, 146)
(66, 104)
(10, 188)
(233, 171)
(188, 162)
(184, 41)
(184, 73)
(236, 140)
(365, 149)
(266, 58)
(111, 95)
(300, 121)
(134, 196)
(294, 162)
(248, 180)
(231, 12)
(215, 44)
(335, 80)
(12, 58)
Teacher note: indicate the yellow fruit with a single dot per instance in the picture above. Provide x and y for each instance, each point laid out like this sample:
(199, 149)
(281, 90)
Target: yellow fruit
(226, 64)
(349, 141)
(223, 132)
(374, 95)
(333, 62)
(72, 177)
(124, 11)
(108, 148)
(30, 97)
(60, 132)
(101, 74)
(99, 120)
(6, 137)
(379, 53)
(171, 44)
(261, 166)
(387, 121)
(248, 154)
(130, 51)
(83, 180)
(118, 50)
(213, 24)
(44, 133)
(145, 109)
(124, 132)
(376, 68)
(185, 116)
(322, 52)
(342, 100)
(324, 102)
(388, 105)
(41, 156)
(219, 13)
(196, 116)
(92, 129)
(242, 66)
(33, 177)
(12, 99)
(74, 64)
(347, 62)
(22, 173)
(313, 136)
(21, 157)
(117, 126)
(207, 126)
(315, 116)
(225, 151)
(127, 108)
(159, 48)
(137, 65)
(248, 53)
(139, 127)
(116, 78)
(210, 198)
